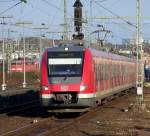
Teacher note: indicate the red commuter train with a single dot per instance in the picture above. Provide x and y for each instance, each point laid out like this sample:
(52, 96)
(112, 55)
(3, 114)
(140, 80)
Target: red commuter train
(30, 65)
(79, 76)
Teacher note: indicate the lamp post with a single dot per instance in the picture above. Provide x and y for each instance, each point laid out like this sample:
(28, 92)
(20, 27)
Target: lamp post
(24, 65)
(41, 27)
(24, 51)
(10, 49)
(65, 35)
(3, 51)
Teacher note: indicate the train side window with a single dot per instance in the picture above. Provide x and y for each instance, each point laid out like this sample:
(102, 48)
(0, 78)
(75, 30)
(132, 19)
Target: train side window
(126, 71)
(112, 67)
(96, 72)
(120, 69)
(107, 71)
(101, 72)
(117, 70)
(104, 71)
(114, 71)
(123, 70)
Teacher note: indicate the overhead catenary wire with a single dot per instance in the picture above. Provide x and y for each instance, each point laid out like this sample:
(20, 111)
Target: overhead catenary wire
(126, 21)
(10, 8)
(39, 10)
(114, 3)
(120, 25)
(54, 6)
(7, 0)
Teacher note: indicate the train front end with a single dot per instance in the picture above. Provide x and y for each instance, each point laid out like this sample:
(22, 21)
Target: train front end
(66, 77)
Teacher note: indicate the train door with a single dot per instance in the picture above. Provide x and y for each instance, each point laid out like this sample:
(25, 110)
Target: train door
(110, 77)
(122, 69)
(101, 75)
(98, 82)
(113, 74)
(96, 74)
(109, 74)
(106, 74)
(121, 73)
(117, 74)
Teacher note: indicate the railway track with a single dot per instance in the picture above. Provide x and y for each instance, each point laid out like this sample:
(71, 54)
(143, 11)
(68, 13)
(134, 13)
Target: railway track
(50, 125)
(53, 125)
(111, 118)
(14, 99)
(21, 107)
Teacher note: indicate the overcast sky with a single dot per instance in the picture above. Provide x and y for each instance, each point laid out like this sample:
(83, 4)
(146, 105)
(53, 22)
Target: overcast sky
(50, 12)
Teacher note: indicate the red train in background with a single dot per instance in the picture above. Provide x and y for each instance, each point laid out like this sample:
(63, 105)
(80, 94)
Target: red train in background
(79, 76)
(30, 65)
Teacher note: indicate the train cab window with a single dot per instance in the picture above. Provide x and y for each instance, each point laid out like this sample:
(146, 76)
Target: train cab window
(65, 64)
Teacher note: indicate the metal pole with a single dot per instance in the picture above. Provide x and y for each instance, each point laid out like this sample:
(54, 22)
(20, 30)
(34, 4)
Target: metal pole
(65, 21)
(40, 44)
(8, 52)
(24, 61)
(4, 82)
(139, 56)
(91, 20)
(3, 52)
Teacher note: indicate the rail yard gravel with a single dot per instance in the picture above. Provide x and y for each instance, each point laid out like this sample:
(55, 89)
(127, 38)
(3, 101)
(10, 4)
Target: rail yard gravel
(119, 117)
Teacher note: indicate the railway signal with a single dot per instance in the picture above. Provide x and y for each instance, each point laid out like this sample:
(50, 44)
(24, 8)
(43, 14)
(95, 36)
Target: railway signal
(78, 20)
(25, 1)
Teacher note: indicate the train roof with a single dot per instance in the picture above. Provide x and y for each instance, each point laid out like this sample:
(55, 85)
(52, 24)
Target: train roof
(66, 48)
(75, 42)
(69, 45)
(81, 45)
(109, 55)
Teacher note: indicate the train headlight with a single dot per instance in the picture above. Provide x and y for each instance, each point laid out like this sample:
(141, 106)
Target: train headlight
(66, 48)
(45, 88)
(83, 87)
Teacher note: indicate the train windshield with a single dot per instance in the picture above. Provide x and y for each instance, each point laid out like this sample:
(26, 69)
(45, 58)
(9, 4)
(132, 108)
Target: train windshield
(65, 64)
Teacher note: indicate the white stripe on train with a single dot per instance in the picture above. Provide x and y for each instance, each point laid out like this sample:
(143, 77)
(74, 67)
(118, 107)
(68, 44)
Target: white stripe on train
(91, 95)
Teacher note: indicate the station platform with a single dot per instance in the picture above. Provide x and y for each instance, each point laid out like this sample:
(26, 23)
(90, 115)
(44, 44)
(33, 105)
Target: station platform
(16, 97)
